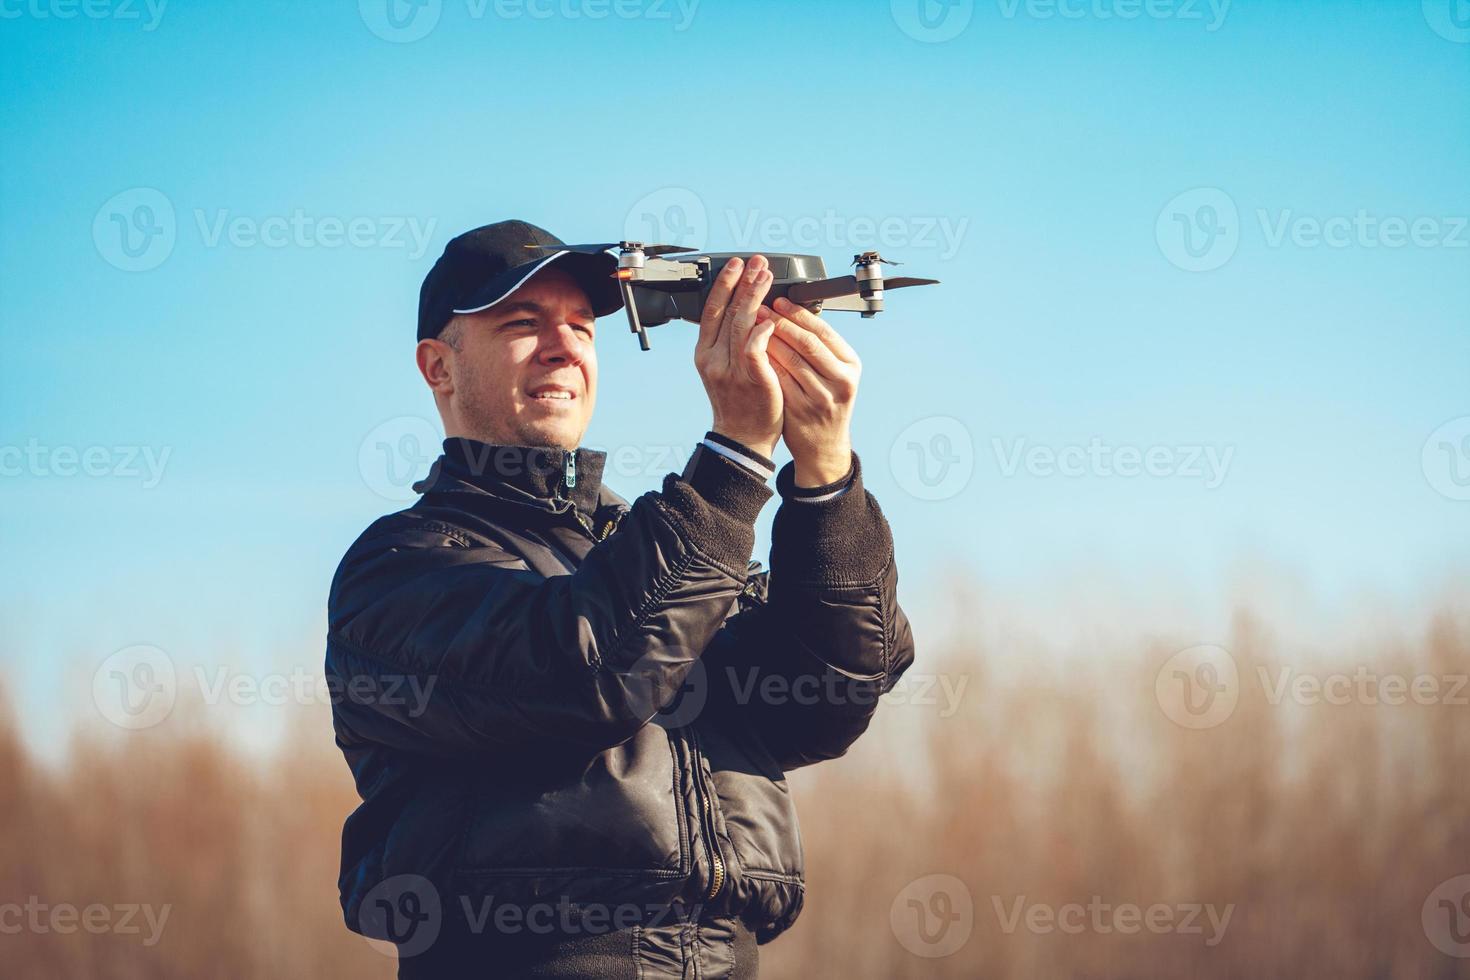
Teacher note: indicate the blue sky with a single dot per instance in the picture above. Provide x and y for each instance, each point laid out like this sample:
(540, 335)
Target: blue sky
(286, 174)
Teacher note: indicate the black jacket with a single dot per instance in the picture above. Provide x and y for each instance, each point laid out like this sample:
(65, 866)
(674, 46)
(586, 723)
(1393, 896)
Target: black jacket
(546, 696)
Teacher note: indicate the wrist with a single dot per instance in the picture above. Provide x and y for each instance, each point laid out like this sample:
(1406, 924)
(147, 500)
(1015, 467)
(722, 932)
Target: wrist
(764, 446)
(821, 470)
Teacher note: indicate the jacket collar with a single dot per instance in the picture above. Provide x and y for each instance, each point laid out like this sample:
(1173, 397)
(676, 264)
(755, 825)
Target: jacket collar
(540, 476)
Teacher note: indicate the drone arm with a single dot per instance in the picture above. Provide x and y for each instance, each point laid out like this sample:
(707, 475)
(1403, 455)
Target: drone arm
(665, 270)
(632, 308)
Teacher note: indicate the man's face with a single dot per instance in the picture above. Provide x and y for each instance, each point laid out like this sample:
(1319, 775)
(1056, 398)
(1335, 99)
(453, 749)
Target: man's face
(524, 371)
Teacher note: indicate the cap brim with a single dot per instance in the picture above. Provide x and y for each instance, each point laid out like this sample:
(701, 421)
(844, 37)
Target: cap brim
(596, 274)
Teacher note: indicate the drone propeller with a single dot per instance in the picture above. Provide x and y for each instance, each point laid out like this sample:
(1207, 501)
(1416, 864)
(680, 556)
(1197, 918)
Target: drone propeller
(598, 247)
(898, 282)
(822, 289)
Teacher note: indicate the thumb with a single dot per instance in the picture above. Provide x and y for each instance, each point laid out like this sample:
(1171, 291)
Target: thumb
(757, 344)
(760, 334)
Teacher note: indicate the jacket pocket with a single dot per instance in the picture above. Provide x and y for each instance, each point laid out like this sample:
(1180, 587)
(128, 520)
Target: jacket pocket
(616, 812)
(755, 802)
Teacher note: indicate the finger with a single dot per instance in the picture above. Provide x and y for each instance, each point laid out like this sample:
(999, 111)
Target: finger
(760, 334)
(824, 330)
(791, 390)
(788, 362)
(809, 346)
(713, 317)
(740, 313)
(753, 356)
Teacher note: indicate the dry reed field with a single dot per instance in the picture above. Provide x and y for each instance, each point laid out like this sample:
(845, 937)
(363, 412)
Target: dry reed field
(1051, 822)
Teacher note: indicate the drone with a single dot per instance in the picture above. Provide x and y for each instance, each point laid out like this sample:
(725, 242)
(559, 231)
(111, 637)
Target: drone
(658, 289)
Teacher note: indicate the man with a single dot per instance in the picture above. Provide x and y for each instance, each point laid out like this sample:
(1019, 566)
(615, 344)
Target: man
(569, 719)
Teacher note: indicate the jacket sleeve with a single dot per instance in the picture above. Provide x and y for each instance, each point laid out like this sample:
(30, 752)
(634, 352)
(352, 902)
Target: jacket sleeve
(805, 667)
(441, 648)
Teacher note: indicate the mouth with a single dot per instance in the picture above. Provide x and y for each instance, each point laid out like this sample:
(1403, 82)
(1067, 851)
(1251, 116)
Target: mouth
(551, 395)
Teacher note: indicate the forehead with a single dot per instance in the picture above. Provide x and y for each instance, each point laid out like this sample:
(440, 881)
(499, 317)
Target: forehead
(553, 287)
(552, 294)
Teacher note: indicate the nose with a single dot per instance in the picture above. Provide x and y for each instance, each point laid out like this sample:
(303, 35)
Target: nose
(561, 345)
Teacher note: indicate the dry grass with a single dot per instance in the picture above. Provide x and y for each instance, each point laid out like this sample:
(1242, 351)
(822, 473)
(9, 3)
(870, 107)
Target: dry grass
(1324, 827)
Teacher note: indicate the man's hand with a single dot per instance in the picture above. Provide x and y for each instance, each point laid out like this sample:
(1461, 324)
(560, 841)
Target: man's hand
(731, 357)
(818, 373)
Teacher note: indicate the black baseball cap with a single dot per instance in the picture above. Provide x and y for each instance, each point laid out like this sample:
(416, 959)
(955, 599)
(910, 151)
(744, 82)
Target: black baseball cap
(482, 267)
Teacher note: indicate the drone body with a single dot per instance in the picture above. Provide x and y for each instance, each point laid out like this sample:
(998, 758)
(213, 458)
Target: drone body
(658, 289)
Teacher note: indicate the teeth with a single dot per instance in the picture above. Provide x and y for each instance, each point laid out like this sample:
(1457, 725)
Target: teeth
(561, 395)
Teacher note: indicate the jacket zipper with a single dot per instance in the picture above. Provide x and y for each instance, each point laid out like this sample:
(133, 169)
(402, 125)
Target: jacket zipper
(564, 488)
(701, 790)
(707, 821)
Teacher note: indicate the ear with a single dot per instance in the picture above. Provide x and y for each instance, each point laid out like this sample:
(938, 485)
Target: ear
(433, 358)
